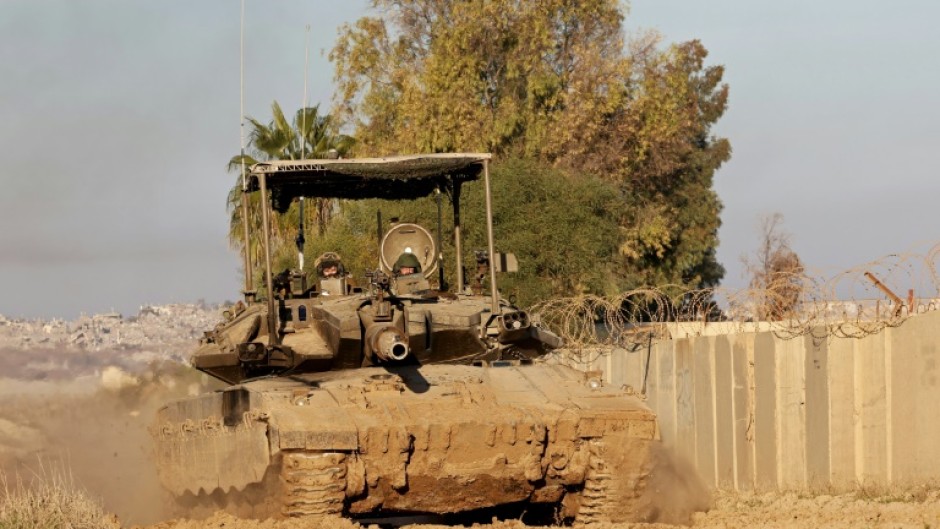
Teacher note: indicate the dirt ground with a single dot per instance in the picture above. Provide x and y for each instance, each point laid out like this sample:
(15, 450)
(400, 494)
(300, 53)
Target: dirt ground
(89, 417)
(918, 510)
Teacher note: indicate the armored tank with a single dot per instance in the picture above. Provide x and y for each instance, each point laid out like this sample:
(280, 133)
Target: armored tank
(399, 395)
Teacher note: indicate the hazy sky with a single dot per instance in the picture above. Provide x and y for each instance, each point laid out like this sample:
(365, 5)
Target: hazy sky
(118, 117)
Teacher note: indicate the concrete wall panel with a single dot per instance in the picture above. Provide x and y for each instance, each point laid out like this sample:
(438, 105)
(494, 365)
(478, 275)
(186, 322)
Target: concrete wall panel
(904, 427)
(842, 413)
(765, 405)
(817, 409)
(685, 401)
(663, 391)
(704, 387)
(919, 337)
(724, 413)
(630, 365)
(615, 374)
(791, 416)
(645, 365)
(742, 351)
(914, 418)
(871, 462)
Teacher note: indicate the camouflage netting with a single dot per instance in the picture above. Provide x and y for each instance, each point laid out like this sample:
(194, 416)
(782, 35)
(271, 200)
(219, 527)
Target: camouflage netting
(401, 177)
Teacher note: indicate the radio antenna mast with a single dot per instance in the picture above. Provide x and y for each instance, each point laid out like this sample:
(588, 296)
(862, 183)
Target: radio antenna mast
(303, 118)
(303, 148)
(249, 291)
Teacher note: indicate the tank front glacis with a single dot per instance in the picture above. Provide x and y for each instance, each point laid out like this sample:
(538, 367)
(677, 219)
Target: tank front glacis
(434, 439)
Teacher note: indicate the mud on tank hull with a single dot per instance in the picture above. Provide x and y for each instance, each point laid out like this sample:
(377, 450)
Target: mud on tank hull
(432, 439)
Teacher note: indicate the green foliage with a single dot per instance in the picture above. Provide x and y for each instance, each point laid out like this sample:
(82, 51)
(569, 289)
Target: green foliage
(309, 135)
(559, 224)
(672, 213)
(496, 76)
(555, 83)
(353, 238)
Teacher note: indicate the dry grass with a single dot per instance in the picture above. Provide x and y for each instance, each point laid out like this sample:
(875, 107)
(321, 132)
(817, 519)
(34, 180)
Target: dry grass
(50, 499)
(898, 493)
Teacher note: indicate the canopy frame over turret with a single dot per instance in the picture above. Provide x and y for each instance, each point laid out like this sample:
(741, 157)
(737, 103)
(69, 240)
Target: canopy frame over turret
(393, 178)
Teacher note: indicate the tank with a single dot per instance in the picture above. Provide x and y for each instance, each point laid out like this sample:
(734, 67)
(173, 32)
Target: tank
(399, 396)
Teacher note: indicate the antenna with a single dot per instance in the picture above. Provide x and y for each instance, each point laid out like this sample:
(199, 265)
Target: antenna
(241, 93)
(303, 147)
(303, 116)
(249, 292)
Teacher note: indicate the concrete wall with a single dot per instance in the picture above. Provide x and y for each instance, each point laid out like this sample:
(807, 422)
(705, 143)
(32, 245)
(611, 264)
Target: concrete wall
(755, 411)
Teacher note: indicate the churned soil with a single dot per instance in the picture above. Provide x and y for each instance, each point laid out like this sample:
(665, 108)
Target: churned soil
(917, 509)
(912, 509)
(908, 509)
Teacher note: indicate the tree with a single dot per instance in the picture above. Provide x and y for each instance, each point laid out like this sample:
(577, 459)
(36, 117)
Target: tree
(672, 214)
(498, 76)
(310, 135)
(777, 273)
(553, 81)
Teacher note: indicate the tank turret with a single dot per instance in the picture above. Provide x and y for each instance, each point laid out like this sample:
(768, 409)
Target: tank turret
(395, 320)
(327, 324)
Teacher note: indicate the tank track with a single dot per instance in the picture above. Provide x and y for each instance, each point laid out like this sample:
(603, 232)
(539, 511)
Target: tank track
(314, 484)
(596, 500)
(611, 494)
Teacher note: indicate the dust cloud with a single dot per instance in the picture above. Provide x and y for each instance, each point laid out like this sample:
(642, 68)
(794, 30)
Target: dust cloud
(674, 489)
(81, 414)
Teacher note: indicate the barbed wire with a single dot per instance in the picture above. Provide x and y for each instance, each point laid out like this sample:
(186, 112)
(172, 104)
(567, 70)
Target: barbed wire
(854, 303)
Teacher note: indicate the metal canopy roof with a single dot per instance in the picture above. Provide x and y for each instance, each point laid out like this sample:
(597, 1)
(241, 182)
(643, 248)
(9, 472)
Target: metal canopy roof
(394, 177)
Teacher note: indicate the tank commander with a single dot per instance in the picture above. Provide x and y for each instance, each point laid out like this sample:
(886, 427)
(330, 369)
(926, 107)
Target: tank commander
(408, 276)
(331, 270)
(329, 265)
(331, 274)
(407, 264)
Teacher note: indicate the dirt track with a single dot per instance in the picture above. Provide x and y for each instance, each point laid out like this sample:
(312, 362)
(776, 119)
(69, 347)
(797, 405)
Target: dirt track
(920, 510)
(93, 423)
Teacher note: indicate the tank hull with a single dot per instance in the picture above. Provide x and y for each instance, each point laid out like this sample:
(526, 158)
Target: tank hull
(430, 439)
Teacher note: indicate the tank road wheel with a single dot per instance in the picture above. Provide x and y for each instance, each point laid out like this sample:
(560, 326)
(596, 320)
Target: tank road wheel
(314, 483)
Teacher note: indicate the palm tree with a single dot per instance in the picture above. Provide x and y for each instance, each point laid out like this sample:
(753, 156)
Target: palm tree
(311, 135)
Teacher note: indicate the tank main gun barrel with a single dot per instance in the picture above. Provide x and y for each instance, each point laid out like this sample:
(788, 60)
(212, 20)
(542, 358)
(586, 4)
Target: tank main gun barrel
(386, 342)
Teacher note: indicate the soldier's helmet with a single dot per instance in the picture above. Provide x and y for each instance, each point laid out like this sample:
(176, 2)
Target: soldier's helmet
(328, 265)
(406, 260)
